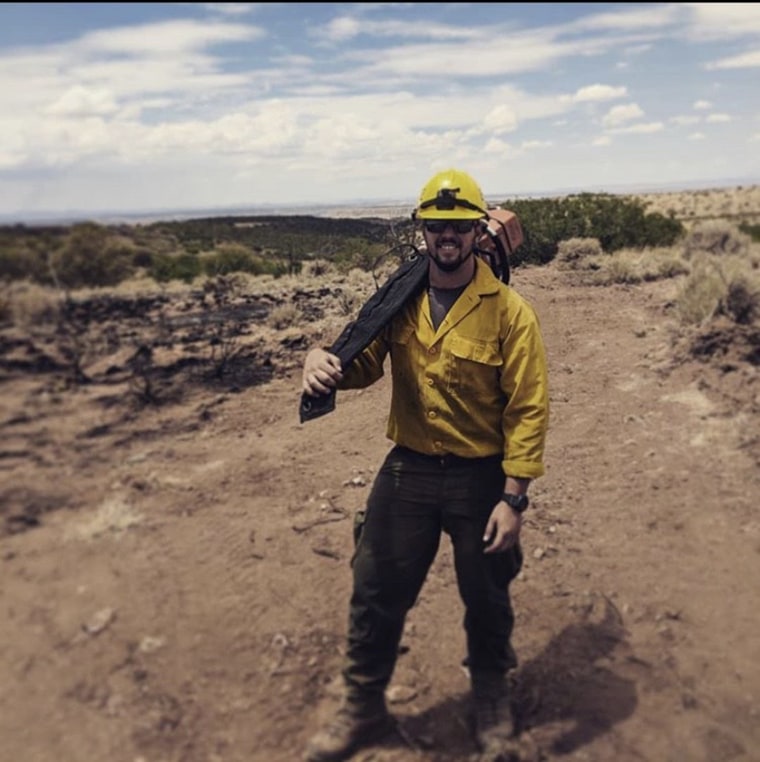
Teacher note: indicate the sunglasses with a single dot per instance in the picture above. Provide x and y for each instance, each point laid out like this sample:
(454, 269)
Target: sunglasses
(438, 226)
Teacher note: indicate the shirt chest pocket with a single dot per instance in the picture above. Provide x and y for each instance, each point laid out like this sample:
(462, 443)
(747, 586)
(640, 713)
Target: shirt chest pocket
(475, 366)
(402, 354)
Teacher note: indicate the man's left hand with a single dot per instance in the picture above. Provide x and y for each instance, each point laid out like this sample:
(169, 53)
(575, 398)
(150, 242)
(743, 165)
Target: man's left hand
(502, 529)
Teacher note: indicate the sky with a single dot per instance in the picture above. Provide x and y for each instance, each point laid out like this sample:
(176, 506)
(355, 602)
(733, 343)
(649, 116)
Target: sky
(147, 107)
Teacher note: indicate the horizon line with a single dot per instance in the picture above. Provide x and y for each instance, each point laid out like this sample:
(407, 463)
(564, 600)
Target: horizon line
(72, 216)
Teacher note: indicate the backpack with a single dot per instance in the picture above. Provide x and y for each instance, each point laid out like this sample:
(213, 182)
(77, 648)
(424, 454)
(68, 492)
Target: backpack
(501, 236)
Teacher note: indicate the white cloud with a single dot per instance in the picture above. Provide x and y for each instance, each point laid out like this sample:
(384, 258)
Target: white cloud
(598, 93)
(166, 37)
(353, 96)
(232, 9)
(697, 136)
(618, 115)
(637, 50)
(650, 17)
(749, 60)
(499, 148)
(479, 52)
(641, 129)
(80, 77)
(79, 100)
(715, 21)
(718, 118)
(501, 119)
(344, 28)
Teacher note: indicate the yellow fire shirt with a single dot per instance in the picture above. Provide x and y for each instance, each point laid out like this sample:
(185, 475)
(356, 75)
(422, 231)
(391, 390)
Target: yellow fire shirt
(477, 386)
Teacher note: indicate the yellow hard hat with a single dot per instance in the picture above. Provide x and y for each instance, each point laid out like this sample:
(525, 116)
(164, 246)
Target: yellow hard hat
(451, 195)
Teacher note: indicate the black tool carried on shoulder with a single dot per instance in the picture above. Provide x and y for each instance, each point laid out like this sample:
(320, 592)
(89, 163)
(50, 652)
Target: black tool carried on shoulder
(501, 234)
(404, 283)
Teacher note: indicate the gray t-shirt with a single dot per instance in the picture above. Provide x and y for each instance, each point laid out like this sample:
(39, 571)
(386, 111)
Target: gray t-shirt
(441, 301)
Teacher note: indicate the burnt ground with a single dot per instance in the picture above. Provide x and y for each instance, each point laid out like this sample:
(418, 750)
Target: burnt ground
(174, 545)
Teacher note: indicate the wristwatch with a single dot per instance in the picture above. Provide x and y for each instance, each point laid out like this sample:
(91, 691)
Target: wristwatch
(517, 503)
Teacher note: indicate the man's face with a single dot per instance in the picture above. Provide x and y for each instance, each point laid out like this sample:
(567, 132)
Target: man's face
(449, 242)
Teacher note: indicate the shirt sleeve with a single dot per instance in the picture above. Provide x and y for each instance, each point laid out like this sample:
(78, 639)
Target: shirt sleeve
(368, 366)
(524, 380)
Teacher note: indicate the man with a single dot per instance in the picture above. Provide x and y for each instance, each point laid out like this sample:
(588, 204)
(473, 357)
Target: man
(469, 415)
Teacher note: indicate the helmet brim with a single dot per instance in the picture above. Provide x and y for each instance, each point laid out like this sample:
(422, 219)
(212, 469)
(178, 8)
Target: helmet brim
(457, 213)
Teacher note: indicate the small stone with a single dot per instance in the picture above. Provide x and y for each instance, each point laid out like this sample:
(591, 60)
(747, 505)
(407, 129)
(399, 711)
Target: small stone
(99, 621)
(400, 694)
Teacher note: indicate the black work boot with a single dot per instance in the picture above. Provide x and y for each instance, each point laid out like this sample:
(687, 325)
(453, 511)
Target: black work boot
(356, 723)
(494, 724)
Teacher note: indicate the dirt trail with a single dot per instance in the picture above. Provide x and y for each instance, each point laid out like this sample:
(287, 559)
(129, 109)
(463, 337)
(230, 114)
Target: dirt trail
(187, 602)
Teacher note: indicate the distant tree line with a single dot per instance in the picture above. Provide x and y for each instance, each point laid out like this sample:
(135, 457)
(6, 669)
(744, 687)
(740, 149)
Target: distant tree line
(90, 254)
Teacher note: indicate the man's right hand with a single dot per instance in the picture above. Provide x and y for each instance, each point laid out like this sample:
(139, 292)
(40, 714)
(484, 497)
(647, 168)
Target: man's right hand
(321, 372)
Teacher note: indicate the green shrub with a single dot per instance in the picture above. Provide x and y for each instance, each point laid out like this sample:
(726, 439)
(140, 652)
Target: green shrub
(753, 231)
(742, 299)
(229, 258)
(24, 258)
(15, 264)
(166, 267)
(615, 221)
(142, 258)
(89, 257)
(233, 257)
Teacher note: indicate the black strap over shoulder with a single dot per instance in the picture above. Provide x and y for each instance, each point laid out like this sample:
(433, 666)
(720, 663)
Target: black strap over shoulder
(406, 282)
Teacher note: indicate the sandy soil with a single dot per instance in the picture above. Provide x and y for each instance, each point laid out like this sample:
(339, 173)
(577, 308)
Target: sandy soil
(175, 574)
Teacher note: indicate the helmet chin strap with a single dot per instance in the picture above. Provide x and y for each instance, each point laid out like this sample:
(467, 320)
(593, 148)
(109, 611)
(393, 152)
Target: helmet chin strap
(450, 267)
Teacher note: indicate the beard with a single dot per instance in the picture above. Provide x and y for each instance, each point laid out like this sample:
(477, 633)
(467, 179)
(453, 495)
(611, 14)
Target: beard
(452, 265)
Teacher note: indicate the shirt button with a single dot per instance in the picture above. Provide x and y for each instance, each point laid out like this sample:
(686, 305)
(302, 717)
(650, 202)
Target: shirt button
(432, 350)
(429, 382)
(437, 445)
(432, 414)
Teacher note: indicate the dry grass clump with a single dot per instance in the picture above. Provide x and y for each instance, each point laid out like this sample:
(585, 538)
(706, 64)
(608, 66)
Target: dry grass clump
(720, 285)
(721, 265)
(360, 281)
(575, 253)
(716, 237)
(624, 266)
(637, 266)
(383, 268)
(349, 302)
(284, 316)
(317, 268)
(141, 284)
(25, 304)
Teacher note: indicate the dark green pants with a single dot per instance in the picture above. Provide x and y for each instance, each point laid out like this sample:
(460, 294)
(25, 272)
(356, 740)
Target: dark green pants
(413, 500)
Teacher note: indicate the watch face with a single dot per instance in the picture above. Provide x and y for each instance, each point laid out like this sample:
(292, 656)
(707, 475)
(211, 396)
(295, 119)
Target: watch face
(517, 502)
